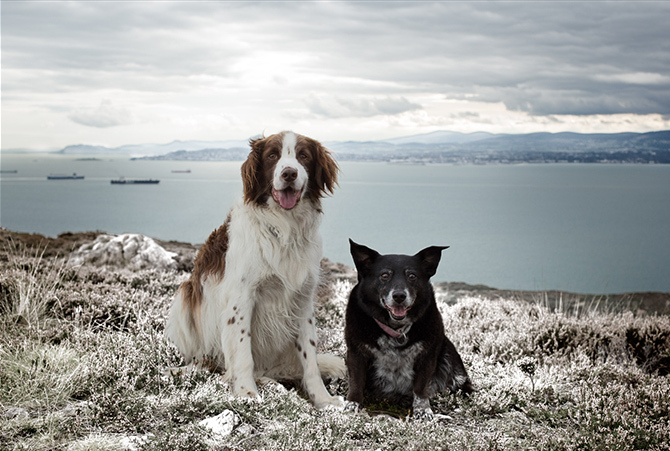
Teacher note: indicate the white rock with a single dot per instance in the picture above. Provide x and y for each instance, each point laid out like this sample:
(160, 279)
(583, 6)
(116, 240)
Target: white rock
(131, 250)
(135, 442)
(18, 413)
(222, 424)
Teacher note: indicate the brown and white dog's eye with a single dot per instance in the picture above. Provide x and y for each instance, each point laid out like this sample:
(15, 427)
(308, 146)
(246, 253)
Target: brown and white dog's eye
(272, 156)
(303, 156)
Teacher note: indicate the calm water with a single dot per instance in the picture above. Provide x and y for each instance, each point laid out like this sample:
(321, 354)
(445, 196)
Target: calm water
(582, 228)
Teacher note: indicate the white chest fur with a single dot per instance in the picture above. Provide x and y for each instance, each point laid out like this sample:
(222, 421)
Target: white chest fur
(393, 367)
(275, 256)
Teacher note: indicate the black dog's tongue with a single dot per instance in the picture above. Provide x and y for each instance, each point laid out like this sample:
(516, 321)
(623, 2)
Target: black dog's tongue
(397, 312)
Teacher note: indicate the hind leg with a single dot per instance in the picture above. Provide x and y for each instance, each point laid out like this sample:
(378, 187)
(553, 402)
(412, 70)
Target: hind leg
(450, 372)
(183, 332)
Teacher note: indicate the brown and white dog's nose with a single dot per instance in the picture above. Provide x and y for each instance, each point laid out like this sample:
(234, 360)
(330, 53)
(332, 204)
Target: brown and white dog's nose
(289, 174)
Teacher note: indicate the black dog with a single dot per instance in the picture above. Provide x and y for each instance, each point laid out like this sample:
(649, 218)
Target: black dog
(396, 345)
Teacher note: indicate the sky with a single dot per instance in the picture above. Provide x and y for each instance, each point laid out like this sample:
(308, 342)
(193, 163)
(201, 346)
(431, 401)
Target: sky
(132, 72)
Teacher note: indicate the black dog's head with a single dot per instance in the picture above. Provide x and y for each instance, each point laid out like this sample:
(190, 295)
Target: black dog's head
(396, 284)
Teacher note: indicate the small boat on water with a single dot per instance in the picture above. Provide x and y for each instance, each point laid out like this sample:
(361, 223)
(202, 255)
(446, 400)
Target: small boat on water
(9, 171)
(74, 176)
(124, 181)
(181, 171)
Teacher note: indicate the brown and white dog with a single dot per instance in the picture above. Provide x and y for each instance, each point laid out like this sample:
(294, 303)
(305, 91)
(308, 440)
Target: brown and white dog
(249, 303)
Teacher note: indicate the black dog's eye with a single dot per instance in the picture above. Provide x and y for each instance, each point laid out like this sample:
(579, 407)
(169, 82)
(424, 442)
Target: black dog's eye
(411, 276)
(385, 276)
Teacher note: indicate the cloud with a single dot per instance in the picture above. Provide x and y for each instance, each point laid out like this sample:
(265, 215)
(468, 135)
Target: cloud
(340, 107)
(331, 61)
(104, 116)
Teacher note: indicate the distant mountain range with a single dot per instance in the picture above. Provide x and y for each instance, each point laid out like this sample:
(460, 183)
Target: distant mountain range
(436, 147)
(144, 150)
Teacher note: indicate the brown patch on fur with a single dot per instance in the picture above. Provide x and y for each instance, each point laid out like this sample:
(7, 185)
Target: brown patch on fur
(312, 343)
(210, 261)
(257, 170)
(304, 355)
(231, 321)
(321, 167)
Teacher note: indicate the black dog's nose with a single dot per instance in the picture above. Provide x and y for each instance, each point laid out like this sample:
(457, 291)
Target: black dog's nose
(399, 297)
(289, 174)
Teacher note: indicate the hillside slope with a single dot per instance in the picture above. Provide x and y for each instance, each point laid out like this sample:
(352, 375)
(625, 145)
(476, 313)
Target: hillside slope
(83, 360)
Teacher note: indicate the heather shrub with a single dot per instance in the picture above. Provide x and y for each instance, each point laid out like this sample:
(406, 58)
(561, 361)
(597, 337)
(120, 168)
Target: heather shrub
(83, 366)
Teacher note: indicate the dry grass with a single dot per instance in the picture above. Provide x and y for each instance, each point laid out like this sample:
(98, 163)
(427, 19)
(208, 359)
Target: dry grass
(82, 355)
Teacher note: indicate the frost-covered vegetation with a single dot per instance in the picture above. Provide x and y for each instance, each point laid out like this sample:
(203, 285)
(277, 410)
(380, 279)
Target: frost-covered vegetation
(83, 359)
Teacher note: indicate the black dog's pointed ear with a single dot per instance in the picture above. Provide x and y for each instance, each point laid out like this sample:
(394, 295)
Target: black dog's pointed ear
(430, 258)
(363, 256)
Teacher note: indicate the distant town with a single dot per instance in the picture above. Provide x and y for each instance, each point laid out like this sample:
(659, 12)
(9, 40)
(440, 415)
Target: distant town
(439, 147)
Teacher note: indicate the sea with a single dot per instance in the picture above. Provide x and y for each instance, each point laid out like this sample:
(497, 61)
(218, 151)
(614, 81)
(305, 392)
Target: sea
(584, 228)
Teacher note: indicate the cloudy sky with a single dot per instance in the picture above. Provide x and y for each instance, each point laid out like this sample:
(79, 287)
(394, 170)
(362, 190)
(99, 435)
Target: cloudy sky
(132, 72)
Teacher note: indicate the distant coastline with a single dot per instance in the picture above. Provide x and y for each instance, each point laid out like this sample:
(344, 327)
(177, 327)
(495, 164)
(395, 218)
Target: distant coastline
(436, 147)
(640, 303)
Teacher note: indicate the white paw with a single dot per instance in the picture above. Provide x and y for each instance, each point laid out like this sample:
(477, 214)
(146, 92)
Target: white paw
(250, 394)
(330, 403)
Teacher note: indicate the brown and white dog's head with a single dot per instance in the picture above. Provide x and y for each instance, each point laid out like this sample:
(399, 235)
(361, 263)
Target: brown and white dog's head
(285, 168)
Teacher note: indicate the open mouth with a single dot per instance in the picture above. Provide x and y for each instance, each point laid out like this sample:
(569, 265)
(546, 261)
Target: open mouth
(397, 312)
(287, 197)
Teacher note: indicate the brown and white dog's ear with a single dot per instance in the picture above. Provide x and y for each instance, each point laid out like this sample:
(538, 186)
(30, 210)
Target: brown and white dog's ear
(250, 171)
(326, 170)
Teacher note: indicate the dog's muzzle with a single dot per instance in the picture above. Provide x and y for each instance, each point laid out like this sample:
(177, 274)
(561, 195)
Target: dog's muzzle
(397, 303)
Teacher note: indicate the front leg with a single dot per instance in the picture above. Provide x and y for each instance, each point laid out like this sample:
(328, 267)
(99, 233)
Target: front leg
(236, 341)
(357, 365)
(421, 408)
(424, 369)
(306, 348)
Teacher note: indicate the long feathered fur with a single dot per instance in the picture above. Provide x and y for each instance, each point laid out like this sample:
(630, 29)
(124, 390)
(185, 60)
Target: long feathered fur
(248, 304)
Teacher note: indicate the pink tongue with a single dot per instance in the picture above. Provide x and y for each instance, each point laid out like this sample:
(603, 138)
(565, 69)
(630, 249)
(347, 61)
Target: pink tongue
(287, 198)
(398, 312)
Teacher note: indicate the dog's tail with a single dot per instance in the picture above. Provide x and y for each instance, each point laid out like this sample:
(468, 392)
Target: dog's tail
(331, 366)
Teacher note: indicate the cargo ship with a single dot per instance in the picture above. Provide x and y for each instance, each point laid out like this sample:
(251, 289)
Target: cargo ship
(74, 176)
(123, 181)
